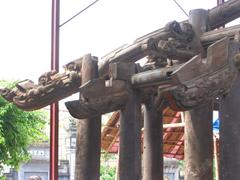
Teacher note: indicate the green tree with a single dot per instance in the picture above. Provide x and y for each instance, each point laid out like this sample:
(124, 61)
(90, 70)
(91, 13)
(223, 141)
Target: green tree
(108, 172)
(18, 130)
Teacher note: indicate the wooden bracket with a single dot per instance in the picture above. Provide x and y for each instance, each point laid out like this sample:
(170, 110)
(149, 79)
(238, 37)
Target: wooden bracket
(99, 99)
(121, 71)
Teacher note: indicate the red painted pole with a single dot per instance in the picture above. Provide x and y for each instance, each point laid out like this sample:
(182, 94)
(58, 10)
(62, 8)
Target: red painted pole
(54, 106)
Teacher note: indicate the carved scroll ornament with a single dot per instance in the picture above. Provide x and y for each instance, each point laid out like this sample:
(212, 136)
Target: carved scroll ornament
(203, 79)
(174, 71)
(52, 86)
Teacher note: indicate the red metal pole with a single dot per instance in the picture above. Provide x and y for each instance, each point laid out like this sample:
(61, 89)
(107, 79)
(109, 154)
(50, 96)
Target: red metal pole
(54, 106)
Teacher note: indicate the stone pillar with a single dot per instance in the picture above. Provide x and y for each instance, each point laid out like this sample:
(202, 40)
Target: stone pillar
(130, 139)
(88, 145)
(153, 143)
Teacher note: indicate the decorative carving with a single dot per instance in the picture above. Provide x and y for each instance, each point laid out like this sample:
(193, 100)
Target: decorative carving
(94, 103)
(176, 37)
(52, 86)
(174, 73)
(203, 79)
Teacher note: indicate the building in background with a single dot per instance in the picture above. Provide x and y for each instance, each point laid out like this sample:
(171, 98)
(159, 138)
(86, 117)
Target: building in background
(39, 164)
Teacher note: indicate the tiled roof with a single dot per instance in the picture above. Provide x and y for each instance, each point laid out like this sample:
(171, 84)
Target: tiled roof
(172, 136)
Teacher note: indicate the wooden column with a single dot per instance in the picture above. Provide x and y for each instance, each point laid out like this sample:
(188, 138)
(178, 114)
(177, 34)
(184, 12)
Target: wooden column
(198, 150)
(130, 140)
(230, 133)
(88, 146)
(198, 122)
(153, 143)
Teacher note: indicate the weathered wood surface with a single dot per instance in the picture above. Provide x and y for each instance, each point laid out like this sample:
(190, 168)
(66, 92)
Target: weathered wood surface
(156, 46)
(142, 47)
(198, 134)
(224, 13)
(213, 36)
(130, 140)
(219, 72)
(81, 109)
(100, 88)
(198, 138)
(153, 142)
(218, 16)
(157, 77)
(230, 134)
(88, 140)
(51, 87)
(122, 71)
(203, 79)
(174, 41)
(99, 99)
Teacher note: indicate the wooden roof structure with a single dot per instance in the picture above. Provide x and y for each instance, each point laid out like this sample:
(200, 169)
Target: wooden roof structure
(173, 137)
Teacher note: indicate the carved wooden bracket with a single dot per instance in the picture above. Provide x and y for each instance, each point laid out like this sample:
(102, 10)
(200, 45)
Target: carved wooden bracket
(99, 99)
(172, 41)
(201, 79)
(51, 87)
(173, 71)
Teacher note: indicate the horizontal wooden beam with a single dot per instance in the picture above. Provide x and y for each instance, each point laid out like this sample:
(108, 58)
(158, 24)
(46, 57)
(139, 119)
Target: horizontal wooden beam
(218, 16)
(224, 13)
(212, 36)
(153, 77)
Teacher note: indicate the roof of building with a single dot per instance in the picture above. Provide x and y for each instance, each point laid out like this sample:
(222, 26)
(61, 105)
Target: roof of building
(172, 136)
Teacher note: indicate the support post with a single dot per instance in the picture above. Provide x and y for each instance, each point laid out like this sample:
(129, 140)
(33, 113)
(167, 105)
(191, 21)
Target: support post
(198, 121)
(130, 139)
(198, 136)
(88, 133)
(153, 143)
(230, 134)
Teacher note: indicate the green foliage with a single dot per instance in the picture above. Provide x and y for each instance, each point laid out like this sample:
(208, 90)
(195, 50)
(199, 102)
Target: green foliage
(108, 172)
(18, 130)
(181, 165)
(3, 178)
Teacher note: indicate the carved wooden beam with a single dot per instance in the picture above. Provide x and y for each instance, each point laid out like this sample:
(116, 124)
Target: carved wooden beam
(172, 41)
(224, 13)
(146, 45)
(158, 77)
(210, 37)
(51, 87)
(203, 79)
(98, 99)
